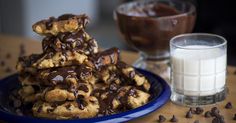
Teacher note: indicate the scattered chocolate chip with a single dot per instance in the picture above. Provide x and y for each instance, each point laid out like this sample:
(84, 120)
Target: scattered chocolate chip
(192, 110)
(189, 114)
(161, 119)
(229, 105)
(8, 70)
(218, 119)
(8, 55)
(234, 117)
(173, 119)
(196, 121)
(207, 114)
(215, 111)
(199, 110)
(2, 63)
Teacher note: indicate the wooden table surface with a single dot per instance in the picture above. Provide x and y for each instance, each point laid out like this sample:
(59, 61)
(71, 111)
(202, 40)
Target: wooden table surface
(11, 47)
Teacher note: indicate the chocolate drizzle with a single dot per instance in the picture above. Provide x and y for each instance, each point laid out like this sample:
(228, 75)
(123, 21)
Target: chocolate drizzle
(59, 75)
(106, 57)
(72, 66)
(73, 41)
(49, 23)
(114, 92)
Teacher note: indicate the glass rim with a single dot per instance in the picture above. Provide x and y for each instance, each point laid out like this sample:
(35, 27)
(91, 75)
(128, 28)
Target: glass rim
(224, 41)
(191, 10)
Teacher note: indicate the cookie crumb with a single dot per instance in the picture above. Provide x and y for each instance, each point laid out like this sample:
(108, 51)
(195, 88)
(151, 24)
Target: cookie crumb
(8, 70)
(2, 63)
(8, 55)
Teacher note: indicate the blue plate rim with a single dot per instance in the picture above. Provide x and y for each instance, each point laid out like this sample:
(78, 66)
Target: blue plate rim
(156, 102)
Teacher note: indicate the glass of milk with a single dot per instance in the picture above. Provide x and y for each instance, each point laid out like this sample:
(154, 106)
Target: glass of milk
(198, 69)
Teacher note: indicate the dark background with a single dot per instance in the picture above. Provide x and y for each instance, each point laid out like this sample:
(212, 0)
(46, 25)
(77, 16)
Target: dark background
(17, 16)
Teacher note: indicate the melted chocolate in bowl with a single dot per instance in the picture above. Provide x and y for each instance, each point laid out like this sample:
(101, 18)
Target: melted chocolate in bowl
(149, 25)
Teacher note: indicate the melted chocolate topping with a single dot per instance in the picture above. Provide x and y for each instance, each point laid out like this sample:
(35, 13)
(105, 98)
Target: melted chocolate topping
(114, 92)
(76, 41)
(106, 57)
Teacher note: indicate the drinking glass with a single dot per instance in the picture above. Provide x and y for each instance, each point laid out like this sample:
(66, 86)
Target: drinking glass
(198, 69)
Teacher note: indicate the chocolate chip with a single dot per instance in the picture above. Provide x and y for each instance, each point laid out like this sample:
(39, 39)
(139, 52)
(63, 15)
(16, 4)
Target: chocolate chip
(68, 107)
(207, 114)
(218, 119)
(50, 110)
(83, 87)
(215, 111)
(234, 117)
(173, 119)
(132, 92)
(229, 105)
(8, 55)
(196, 121)
(81, 104)
(113, 87)
(199, 110)
(235, 72)
(161, 119)
(2, 63)
(192, 110)
(8, 70)
(189, 114)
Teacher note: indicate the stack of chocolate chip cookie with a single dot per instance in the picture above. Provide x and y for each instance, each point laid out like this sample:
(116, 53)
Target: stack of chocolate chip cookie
(72, 79)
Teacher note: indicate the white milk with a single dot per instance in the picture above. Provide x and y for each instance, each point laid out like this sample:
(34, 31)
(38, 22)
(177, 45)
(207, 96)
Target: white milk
(198, 72)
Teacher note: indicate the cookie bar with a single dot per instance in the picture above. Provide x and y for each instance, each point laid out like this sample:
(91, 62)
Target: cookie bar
(134, 75)
(72, 79)
(116, 98)
(64, 23)
(67, 75)
(82, 108)
(104, 58)
(79, 41)
(50, 60)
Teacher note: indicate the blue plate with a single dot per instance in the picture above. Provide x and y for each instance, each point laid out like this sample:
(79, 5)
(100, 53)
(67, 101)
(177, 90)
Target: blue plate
(159, 88)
